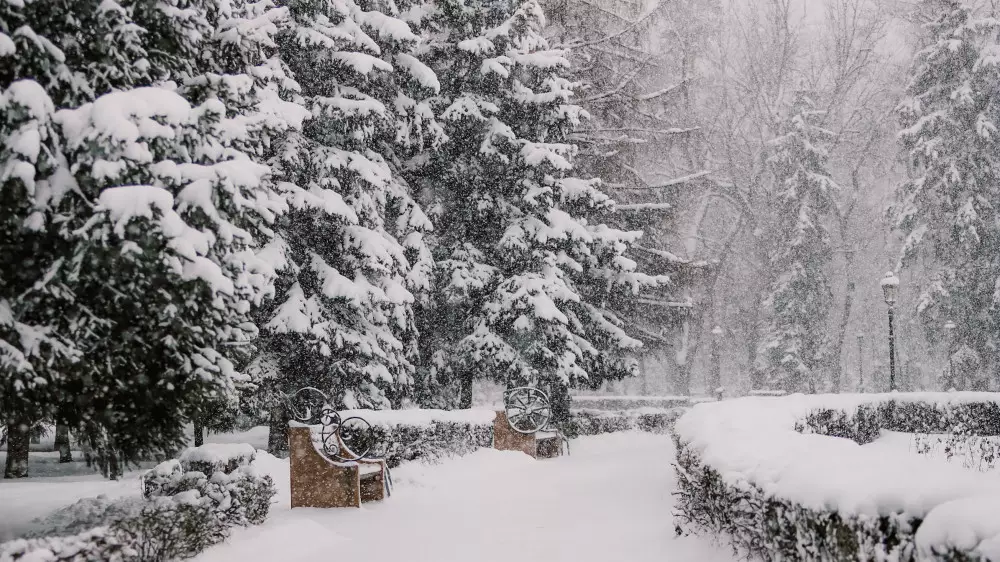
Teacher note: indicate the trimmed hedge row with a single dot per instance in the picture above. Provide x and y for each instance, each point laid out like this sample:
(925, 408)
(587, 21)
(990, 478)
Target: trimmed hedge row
(763, 526)
(596, 422)
(863, 424)
(626, 403)
(432, 441)
(769, 528)
(181, 513)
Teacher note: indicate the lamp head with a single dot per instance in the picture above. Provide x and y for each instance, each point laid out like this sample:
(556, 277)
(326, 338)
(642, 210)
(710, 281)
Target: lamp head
(890, 288)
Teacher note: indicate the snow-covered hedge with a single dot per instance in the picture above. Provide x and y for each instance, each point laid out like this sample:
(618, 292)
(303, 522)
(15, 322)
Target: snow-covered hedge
(621, 403)
(405, 435)
(180, 514)
(594, 422)
(791, 478)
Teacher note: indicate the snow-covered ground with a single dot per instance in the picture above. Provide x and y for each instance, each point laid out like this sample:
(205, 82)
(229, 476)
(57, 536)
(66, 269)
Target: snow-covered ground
(23, 500)
(610, 500)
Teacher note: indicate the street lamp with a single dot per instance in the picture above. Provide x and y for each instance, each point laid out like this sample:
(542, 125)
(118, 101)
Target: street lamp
(890, 287)
(861, 368)
(949, 327)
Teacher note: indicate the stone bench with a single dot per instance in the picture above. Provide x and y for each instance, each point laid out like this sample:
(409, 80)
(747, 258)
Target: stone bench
(318, 481)
(539, 445)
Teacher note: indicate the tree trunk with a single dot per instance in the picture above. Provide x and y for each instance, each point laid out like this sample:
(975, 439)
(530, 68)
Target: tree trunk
(465, 397)
(834, 354)
(62, 443)
(682, 359)
(115, 469)
(715, 374)
(18, 440)
(277, 435)
(199, 433)
(560, 403)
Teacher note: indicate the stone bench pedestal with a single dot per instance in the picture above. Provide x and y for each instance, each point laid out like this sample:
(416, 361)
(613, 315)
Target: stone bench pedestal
(539, 445)
(317, 481)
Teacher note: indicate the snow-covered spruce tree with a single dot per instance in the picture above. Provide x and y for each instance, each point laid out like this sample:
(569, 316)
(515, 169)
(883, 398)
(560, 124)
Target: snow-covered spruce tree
(948, 211)
(239, 65)
(70, 52)
(351, 250)
(130, 229)
(799, 300)
(525, 286)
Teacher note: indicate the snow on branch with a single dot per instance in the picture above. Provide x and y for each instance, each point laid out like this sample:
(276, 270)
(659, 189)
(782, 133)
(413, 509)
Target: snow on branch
(662, 91)
(670, 131)
(663, 303)
(669, 183)
(621, 85)
(671, 257)
(637, 207)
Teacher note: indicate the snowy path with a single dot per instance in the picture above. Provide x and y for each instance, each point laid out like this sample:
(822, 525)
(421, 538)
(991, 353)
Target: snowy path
(610, 500)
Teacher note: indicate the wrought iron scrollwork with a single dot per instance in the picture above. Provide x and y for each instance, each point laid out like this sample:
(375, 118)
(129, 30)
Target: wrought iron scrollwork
(343, 440)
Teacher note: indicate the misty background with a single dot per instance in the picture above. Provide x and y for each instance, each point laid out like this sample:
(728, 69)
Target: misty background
(686, 95)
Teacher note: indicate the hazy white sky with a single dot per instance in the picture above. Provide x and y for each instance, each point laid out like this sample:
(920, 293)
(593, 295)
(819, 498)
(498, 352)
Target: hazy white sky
(810, 15)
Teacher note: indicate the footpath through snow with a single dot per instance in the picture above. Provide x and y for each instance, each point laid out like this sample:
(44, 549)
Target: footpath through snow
(610, 500)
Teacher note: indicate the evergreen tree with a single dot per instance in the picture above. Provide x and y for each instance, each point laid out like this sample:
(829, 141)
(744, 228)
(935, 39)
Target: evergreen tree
(525, 285)
(130, 223)
(800, 299)
(351, 250)
(948, 211)
(239, 66)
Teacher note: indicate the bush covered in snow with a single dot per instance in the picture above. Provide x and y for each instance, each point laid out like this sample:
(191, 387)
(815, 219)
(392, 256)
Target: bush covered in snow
(217, 457)
(405, 435)
(862, 424)
(620, 403)
(99, 544)
(594, 422)
(180, 514)
(791, 478)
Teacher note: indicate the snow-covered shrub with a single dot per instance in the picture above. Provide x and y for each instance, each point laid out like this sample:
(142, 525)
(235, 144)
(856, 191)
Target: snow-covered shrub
(790, 478)
(405, 435)
(976, 452)
(954, 429)
(862, 424)
(217, 457)
(621, 403)
(127, 529)
(771, 528)
(239, 496)
(595, 422)
(101, 544)
(173, 528)
(180, 514)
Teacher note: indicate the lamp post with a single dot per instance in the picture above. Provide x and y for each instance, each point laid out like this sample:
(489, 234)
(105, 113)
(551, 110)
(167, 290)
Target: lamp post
(890, 288)
(949, 327)
(861, 368)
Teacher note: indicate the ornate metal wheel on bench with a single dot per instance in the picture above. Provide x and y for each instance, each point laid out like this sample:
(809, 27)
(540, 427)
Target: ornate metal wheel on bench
(528, 412)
